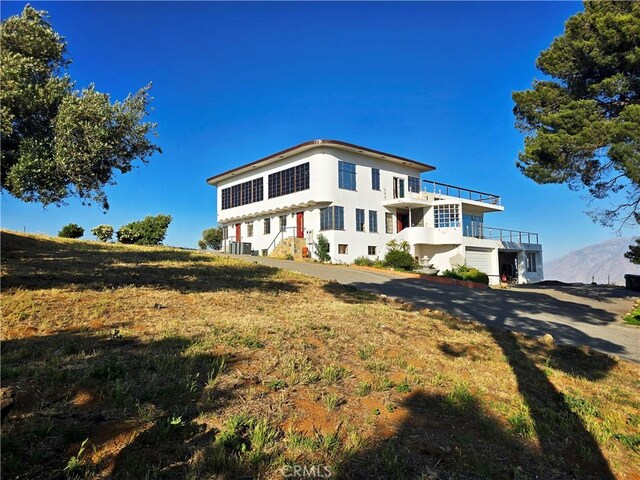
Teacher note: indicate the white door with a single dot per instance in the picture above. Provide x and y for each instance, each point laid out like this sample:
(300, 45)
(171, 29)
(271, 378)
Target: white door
(480, 258)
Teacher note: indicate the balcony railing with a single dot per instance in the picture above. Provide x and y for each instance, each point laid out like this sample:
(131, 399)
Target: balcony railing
(459, 192)
(490, 233)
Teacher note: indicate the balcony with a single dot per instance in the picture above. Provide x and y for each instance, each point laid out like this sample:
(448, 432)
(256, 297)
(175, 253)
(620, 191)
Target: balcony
(438, 188)
(502, 234)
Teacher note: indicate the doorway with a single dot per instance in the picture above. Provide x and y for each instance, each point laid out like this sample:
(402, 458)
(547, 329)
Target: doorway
(508, 265)
(300, 225)
(402, 217)
(238, 232)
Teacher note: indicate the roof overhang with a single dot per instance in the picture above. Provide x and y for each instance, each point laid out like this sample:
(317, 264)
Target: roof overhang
(423, 167)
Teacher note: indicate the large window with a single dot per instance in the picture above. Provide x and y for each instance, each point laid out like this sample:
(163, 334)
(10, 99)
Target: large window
(375, 178)
(472, 225)
(347, 175)
(373, 221)
(249, 229)
(532, 264)
(242, 194)
(267, 226)
(414, 184)
(398, 187)
(332, 218)
(225, 232)
(447, 215)
(294, 179)
(388, 222)
(359, 220)
(283, 222)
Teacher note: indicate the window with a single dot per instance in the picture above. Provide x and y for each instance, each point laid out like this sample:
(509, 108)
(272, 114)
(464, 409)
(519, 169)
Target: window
(375, 178)
(373, 221)
(388, 222)
(472, 225)
(398, 187)
(447, 215)
(332, 218)
(225, 232)
(283, 222)
(359, 220)
(264, 252)
(414, 184)
(342, 248)
(532, 264)
(284, 182)
(347, 175)
(371, 250)
(267, 226)
(249, 229)
(242, 194)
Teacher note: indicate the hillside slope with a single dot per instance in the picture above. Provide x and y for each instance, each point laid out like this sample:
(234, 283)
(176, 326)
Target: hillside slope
(600, 261)
(141, 362)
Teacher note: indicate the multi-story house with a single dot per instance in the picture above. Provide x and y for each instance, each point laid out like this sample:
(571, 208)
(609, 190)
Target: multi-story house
(360, 199)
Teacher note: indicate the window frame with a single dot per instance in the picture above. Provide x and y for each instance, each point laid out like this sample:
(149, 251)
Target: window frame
(388, 222)
(370, 248)
(346, 176)
(343, 249)
(360, 220)
(373, 221)
(531, 260)
(446, 215)
(413, 184)
(375, 179)
(266, 226)
(332, 218)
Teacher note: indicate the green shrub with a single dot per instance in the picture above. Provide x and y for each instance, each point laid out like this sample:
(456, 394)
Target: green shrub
(322, 248)
(364, 262)
(71, 231)
(149, 231)
(398, 256)
(464, 272)
(104, 233)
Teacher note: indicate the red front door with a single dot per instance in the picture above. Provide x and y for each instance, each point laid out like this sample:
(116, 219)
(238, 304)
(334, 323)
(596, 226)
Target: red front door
(403, 221)
(237, 232)
(300, 224)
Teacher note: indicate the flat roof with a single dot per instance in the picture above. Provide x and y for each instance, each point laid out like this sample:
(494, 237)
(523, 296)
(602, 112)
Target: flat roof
(313, 144)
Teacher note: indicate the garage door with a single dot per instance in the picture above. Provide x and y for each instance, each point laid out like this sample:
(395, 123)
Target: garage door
(480, 258)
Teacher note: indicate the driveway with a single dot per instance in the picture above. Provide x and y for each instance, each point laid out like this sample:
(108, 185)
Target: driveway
(572, 314)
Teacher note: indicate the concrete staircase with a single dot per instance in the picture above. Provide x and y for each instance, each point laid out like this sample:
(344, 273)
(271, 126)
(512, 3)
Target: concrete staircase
(290, 246)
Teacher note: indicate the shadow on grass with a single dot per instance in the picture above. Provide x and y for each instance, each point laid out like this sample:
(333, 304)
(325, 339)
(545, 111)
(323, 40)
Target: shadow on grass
(139, 399)
(465, 439)
(33, 263)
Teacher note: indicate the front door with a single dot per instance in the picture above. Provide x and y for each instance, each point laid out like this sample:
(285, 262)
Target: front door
(403, 221)
(300, 224)
(237, 232)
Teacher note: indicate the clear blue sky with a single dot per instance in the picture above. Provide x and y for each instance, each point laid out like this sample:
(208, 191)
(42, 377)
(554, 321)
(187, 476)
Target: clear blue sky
(236, 81)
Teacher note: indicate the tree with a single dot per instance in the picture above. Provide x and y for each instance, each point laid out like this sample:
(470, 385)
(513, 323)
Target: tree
(322, 248)
(104, 233)
(583, 125)
(211, 238)
(59, 142)
(71, 230)
(634, 252)
(150, 231)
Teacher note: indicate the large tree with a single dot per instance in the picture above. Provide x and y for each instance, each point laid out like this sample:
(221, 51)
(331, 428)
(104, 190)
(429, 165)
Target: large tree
(582, 124)
(57, 141)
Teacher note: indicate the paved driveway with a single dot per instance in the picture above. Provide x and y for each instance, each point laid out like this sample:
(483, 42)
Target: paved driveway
(573, 314)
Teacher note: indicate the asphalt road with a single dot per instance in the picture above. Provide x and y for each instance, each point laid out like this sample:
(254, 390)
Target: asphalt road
(572, 314)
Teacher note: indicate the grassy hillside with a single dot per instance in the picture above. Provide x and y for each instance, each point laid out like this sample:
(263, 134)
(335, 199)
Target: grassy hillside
(138, 362)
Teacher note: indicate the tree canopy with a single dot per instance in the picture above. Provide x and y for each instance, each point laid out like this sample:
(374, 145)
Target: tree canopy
(583, 124)
(57, 141)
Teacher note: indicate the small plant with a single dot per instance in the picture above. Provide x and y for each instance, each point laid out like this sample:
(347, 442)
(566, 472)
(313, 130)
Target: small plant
(332, 401)
(276, 384)
(393, 460)
(403, 387)
(322, 248)
(76, 462)
(365, 353)
(104, 233)
(288, 256)
(390, 407)
(71, 231)
(333, 373)
(217, 367)
(364, 389)
(460, 397)
(363, 262)
(382, 384)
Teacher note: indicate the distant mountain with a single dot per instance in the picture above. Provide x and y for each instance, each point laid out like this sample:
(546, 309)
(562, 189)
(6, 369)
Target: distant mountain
(600, 261)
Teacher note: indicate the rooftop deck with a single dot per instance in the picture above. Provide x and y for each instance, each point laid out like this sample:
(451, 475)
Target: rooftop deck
(502, 234)
(459, 192)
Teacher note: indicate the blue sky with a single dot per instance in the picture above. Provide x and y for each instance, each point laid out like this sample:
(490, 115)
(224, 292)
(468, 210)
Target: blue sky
(234, 82)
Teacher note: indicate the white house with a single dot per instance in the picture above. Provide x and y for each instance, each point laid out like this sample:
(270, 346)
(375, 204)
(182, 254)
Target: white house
(360, 199)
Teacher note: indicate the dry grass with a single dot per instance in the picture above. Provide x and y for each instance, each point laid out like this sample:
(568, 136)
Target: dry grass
(178, 364)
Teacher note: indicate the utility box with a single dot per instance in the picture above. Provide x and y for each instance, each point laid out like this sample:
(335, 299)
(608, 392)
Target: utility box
(632, 282)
